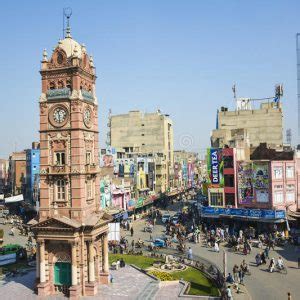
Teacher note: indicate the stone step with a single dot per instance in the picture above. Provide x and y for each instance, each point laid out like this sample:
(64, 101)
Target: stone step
(149, 292)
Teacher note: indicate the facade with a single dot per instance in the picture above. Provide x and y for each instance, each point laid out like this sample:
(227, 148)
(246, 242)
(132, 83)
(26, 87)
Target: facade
(248, 127)
(4, 167)
(32, 172)
(17, 173)
(71, 230)
(263, 188)
(141, 133)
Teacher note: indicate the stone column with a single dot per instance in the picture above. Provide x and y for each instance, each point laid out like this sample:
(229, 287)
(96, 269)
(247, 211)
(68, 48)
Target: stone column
(37, 257)
(74, 264)
(91, 262)
(42, 261)
(105, 254)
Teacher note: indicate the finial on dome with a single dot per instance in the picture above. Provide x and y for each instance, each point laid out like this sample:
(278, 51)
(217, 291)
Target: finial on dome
(91, 61)
(68, 32)
(45, 56)
(83, 48)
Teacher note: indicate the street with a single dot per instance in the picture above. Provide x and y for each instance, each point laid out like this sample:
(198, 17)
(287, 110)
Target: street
(261, 284)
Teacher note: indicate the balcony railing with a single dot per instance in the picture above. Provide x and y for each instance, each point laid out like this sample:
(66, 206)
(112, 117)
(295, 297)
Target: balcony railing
(91, 168)
(58, 169)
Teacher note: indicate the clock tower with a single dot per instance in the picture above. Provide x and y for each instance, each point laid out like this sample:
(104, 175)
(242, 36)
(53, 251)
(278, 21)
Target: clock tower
(71, 230)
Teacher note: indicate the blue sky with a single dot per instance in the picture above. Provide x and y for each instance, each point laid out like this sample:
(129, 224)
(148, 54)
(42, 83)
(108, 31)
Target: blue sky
(180, 56)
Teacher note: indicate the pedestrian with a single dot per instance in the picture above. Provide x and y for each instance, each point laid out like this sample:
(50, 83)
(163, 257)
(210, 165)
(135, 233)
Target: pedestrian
(241, 276)
(263, 258)
(131, 231)
(217, 249)
(132, 244)
(267, 252)
(289, 296)
(228, 293)
(190, 253)
(235, 271)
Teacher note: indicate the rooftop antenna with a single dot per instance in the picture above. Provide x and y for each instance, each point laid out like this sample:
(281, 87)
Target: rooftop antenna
(67, 13)
(234, 91)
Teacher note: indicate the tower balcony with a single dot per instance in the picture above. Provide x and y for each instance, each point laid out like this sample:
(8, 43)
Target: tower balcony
(91, 168)
(58, 169)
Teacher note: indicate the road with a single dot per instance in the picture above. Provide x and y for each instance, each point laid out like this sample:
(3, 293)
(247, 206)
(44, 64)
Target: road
(261, 284)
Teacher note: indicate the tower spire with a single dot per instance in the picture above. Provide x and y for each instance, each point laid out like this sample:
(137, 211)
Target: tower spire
(67, 13)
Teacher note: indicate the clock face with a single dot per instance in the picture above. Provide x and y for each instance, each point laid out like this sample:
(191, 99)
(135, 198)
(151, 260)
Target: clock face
(87, 116)
(59, 115)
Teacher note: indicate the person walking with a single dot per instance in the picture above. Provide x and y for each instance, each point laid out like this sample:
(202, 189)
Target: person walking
(131, 231)
(267, 252)
(228, 293)
(190, 253)
(263, 258)
(235, 271)
(241, 276)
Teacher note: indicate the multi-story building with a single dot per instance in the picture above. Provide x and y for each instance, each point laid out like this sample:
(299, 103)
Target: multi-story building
(248, 127)
(4, 167)
(32, 172)
(140, 133)
(17, 173)
(71, 230)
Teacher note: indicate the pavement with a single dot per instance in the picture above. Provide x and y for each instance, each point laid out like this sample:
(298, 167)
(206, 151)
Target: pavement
(261, 284)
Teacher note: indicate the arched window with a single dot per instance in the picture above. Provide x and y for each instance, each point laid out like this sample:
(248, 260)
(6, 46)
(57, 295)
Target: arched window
(52, 85)
(60, 84)
(60, 158)
(61, 189)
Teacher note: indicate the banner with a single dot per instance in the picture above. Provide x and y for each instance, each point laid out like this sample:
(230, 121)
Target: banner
(245, 185)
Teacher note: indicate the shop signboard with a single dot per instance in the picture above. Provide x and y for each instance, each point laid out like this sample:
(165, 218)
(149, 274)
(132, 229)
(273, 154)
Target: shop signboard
(215, 166)
(241, 212)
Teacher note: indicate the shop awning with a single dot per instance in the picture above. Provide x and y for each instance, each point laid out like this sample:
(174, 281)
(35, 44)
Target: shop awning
(14, 199)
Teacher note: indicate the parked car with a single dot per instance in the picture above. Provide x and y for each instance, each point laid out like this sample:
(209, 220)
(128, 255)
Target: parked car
(175, 220)
(159, 243)
(165, 218)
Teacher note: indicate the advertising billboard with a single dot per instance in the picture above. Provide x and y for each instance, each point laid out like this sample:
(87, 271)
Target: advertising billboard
(215, 167)
(261, 182)
(253, 182)
(245, 183)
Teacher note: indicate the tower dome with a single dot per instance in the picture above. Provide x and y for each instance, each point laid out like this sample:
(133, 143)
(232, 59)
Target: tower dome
(70, 46)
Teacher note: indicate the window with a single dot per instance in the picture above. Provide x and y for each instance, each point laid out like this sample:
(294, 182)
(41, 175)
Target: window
(216, 199)
(88, 157)
(61, 186)
(290, 172)
(278, 187)
(278, 197)
(89, 191)
(290, 197)
(229, 180)
(277, 172)
(60, 158)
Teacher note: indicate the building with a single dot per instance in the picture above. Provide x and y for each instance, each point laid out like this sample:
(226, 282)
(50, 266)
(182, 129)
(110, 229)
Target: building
(145, 133)
(71, 230)
(17, 173)
(262, 189)
(32, 172)
(4, 167)
(248, 127)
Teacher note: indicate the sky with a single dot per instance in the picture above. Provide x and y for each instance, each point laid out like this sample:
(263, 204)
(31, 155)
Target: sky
(181, 57)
